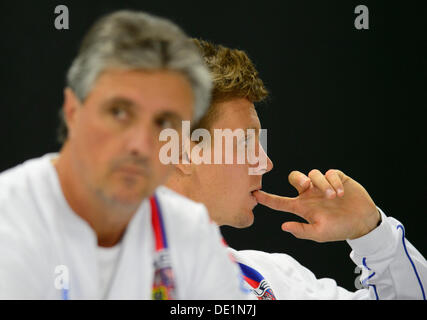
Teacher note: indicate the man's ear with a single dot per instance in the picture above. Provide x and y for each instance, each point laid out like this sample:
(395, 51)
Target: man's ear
(71, 103)
(184, 165)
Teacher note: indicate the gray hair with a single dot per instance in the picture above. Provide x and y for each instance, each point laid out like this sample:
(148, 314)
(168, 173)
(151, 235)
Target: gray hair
(137, 40)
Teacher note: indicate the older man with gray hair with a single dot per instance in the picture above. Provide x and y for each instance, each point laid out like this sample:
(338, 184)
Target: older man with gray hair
(91, 221)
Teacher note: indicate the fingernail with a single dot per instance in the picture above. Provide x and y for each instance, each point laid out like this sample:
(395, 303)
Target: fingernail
(330, 193)
(340, 191)
(303, 182)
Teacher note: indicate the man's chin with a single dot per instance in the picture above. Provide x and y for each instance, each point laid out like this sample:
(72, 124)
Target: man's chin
(126, 198)
(244, 220)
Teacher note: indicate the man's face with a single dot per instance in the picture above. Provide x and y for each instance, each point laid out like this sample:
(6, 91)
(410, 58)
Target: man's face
(114, 134)
(226, 189)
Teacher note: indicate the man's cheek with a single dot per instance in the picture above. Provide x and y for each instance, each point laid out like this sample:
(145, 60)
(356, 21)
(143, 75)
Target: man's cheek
(162, 171)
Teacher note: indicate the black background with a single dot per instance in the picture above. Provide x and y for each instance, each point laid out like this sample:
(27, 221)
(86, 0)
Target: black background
(340, 98)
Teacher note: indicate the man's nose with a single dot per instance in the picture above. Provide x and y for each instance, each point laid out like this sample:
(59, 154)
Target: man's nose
(269, 164)
(263, 154)
(141, 140)
(264, 163)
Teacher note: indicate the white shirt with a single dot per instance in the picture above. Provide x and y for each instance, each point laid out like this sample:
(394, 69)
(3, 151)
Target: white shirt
(43, 242)
(107, 259)
(391, 269)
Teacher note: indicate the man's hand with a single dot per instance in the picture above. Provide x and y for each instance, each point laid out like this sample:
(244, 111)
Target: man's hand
(335, 206)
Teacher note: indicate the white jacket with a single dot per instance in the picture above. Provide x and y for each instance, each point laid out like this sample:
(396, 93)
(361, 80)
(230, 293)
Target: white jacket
(41, 239)
(392, 268)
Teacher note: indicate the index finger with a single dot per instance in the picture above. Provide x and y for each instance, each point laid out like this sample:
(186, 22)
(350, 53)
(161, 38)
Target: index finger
(275, 202)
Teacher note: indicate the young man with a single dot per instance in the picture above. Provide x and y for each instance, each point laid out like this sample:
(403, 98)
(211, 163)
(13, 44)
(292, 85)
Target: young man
(90, 222)
(335, 206)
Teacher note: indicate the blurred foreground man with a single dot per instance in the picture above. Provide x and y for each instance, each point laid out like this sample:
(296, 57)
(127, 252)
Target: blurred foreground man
(91, 222)
(335, 206)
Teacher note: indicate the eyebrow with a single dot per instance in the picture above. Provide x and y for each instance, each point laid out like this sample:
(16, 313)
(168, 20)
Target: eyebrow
(125, 102)
(170, 115)
(119, 100)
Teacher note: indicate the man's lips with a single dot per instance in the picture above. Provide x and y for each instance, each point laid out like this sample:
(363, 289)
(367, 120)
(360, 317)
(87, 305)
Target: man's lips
(255, 189)
(132, 170)
(132, 166)
(254, 201)
(252, 196)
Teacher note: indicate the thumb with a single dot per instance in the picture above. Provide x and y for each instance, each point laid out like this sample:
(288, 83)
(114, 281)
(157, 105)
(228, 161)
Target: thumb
(300, 230)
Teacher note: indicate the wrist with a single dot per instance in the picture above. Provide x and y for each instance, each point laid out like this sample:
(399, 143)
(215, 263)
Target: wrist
(374, 222)
(379, 239)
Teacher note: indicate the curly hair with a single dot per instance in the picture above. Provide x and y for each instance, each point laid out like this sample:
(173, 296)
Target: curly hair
(233, 75)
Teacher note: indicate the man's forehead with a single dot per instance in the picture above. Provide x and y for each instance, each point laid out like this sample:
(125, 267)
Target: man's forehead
(139, 89)
(236, 113)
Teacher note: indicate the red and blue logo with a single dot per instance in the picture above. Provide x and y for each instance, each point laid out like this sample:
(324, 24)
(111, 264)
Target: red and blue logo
(260, 286)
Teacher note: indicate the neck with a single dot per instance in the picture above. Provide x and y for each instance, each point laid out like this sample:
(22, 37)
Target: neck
(180, 184)
(108, 223)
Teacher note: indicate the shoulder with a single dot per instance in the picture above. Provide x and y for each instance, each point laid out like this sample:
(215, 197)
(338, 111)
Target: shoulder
(13, 180)
(254, 255)
(279, 262)
(20, 189)
(286, 276)
(17, 181)
(23, 230)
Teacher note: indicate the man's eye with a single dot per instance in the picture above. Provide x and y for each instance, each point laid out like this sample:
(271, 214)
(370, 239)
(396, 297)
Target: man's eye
(164, 123)
(119, 113)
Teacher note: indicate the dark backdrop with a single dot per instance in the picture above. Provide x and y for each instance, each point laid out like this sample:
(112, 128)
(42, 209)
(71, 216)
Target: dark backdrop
(340, 98)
